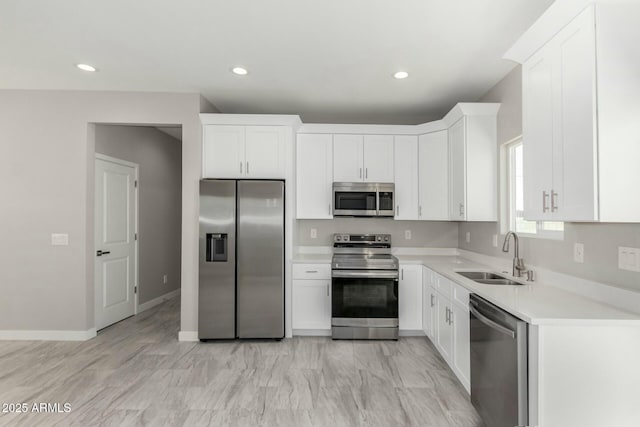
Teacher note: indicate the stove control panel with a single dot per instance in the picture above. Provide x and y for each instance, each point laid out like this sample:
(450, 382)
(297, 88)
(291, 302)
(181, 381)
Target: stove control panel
(362, 238)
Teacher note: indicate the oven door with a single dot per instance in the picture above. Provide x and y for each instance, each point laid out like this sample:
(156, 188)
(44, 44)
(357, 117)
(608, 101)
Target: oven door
(364, 298)
(355, 199)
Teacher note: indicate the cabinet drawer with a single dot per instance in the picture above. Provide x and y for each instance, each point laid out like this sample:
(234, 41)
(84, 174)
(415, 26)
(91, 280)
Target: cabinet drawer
(460, 295)
(311, 271)
(443, 285)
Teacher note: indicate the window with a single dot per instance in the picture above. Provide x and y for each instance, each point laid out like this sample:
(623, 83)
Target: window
(515, 198)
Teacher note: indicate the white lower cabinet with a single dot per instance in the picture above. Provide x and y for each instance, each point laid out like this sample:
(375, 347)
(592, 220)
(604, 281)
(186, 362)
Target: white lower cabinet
(444, 339)
(311, 304)
(311, 298)
(429, 296)
(410, 297)
(461, 354)
(449, 322)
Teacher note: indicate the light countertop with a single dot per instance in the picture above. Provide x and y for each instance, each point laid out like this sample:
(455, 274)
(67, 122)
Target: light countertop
(536, 302)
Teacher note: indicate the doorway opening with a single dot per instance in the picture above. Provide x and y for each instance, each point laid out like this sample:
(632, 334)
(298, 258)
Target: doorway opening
(138, 217)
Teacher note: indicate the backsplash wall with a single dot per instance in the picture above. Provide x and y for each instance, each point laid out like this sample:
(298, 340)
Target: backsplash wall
(423, 233)
(601, 241)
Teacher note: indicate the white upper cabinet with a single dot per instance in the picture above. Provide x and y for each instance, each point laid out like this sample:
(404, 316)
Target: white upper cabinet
(314, 159)
(243, 151)
(559, 129)
(223, 151)
(264, 151)
(406, 177)
(457, 172)
(378, 158)
(358, 158)
(473, 163)
(538, 127)
(433, 176)
(580, 126)
(347, 158)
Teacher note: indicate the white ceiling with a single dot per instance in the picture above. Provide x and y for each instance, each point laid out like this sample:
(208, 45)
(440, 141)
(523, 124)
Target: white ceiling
(327, 60)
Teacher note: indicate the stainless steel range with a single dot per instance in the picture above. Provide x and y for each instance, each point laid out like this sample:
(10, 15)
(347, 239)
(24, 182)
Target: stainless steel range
(364, 284)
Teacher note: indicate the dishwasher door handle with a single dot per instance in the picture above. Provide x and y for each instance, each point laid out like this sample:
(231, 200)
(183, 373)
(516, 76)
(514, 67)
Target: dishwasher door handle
(491, 323)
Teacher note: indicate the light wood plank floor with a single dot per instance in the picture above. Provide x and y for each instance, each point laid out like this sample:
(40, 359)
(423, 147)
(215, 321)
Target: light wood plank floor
(137, 373)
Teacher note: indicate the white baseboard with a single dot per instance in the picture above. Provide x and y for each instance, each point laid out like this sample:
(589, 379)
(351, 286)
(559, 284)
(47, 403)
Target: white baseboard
(159, 300)
(27, 335)
(411, 333)
(312, 332)
(188, 336)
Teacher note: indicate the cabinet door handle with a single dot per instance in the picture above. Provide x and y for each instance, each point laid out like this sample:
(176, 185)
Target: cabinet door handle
(461, 209)
(366, 173)
(554, 200)
(241, 168)
(397, 210)
(311, 271)
(432, 303)
(247, 168)
(446, 317)
(402, 274)
(329, 209)
(327, 289)
(360, 173)
(545, 199)
(420, 211)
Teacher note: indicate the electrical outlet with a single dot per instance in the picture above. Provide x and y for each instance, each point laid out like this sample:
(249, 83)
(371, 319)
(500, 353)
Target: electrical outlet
(313, 233)
(407, 234)
(468, 237)
(578, 252)
(629, 258)
(495, 241)
(58, 239)
(164, 279)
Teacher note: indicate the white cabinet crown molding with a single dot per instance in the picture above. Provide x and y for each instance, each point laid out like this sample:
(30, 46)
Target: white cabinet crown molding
(546, 27)
(292, 121)
(462, 109)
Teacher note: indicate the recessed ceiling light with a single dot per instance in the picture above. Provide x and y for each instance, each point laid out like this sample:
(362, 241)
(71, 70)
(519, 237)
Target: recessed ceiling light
(401, 75)
(86, 67)
(239, 71)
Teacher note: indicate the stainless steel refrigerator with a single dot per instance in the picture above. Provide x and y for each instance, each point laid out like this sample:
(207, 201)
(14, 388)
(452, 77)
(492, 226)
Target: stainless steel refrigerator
(241, 291)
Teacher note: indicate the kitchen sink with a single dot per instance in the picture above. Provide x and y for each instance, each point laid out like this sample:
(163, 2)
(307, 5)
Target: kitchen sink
(488, 278)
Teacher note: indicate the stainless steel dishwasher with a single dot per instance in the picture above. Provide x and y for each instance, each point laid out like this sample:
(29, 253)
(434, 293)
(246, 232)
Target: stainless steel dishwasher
(499, 365)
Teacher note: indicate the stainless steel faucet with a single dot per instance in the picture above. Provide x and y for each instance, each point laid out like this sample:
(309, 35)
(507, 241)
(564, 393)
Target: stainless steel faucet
(518, 263)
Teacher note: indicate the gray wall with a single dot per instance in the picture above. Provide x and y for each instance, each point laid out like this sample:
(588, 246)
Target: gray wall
(46, 186)
(600, 241)
(423, 233)
(159, 201)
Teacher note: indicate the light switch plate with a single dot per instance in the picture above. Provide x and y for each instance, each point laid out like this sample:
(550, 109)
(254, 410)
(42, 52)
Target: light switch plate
(59, 239)
(495, 241)
(313, 233)
(407, 234)
(578, 252)
(164, 279)
(468, 237)
(629, 258)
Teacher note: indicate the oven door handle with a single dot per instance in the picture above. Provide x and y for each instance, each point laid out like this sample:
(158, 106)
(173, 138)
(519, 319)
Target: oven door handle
(367, 274)
(490, 323)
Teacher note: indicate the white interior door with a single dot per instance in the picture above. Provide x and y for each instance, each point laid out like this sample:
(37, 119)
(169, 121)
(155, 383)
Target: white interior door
(115, 245)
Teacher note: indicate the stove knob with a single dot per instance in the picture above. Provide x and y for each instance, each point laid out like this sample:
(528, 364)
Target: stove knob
(386, 238)
(338, 238)
(379, 238)
(345, 238)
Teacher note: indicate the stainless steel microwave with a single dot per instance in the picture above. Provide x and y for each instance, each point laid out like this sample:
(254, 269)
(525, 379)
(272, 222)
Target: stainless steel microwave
(363, 199)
